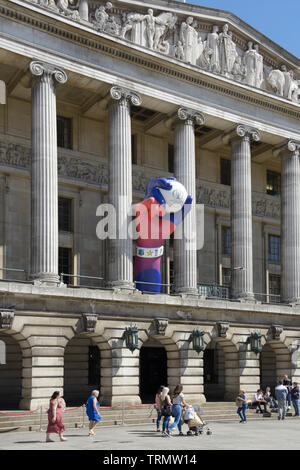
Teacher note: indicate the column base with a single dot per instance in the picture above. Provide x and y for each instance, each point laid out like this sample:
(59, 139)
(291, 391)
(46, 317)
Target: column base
(244, 297)
(46, 279)
(126, 400)
(33, 403)
(121, 285)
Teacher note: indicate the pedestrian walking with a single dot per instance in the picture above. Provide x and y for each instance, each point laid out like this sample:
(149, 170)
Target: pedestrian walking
(281, 393)
(241, 402)
(166, 410)
(178, 402)
(55, 418)
(295, 397)
(93, 411)
(158, 405)
(259, 401)
(288, 384)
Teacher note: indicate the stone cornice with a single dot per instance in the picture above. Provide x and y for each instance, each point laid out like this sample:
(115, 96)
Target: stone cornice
(151, 61)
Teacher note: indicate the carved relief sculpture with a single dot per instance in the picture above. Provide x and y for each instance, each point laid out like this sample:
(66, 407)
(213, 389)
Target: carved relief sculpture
(228, 51)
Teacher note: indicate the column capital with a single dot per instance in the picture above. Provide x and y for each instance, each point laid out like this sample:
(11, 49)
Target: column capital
(288, 147)
(242, 132)
(125, 96)
(38, 69)
(190, 116)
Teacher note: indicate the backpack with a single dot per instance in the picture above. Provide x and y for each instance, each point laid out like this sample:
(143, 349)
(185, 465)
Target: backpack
(166, 410)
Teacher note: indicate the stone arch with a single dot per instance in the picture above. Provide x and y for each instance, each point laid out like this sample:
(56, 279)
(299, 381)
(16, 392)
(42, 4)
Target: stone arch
(172, 362)
(221, 369)
(275, 362)
(15, 376)
(87, 359)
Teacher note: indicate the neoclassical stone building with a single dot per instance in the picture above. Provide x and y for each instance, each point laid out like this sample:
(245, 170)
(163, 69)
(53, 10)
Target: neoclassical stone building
(101, 97)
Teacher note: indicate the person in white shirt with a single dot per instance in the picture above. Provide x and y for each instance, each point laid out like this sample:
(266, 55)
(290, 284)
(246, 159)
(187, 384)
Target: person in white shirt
(259, 401)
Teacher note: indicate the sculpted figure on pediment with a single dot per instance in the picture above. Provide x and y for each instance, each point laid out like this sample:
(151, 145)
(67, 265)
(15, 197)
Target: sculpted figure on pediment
(65, 8)
(102, 17)
(284, 84)
(253, 62)
(228, 52)
(190, 40)
(211, 54)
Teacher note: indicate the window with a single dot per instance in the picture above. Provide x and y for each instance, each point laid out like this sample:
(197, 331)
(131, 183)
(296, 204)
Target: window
(273, 183)
(274, 284)
(226, 277)
(274, 248)
(226, 241)
(171, 158)
(65, 264)
(64, 132)
(65, 214)
(134, 149)
(94, 366)
(225, 177)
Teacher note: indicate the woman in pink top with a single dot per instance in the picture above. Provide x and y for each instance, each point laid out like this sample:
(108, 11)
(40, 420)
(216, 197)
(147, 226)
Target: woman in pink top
(55, 421)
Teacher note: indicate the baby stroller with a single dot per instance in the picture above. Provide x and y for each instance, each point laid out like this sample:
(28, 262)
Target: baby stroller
(192, 417)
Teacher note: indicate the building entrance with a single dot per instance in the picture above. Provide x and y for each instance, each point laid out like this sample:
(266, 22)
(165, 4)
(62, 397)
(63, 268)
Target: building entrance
(153, 372)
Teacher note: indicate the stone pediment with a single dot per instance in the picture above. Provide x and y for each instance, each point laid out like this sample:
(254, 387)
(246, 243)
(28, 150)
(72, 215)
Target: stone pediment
(213, 41)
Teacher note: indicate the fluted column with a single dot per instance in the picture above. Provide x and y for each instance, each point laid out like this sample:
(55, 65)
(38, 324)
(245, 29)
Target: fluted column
(120, 263)
(290, 222)
(241, 212)
(185, 249)
(44, 171)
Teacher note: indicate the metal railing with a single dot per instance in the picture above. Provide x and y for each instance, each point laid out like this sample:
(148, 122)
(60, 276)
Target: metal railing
(214, 291)
(16, 271)
(63, 276)
(268, 298)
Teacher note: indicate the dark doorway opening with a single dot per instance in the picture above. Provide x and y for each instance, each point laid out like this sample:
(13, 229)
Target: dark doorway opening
(153, 372)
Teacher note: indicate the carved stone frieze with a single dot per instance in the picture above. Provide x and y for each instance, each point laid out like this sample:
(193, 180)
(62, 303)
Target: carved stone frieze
(6, 318)
(207, 46)
(212, 195)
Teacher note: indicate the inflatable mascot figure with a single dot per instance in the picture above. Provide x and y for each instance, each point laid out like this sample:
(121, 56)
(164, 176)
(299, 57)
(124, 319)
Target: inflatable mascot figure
(165, 206)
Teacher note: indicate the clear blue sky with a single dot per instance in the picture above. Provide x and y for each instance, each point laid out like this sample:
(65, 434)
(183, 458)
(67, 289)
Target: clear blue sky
(277, 19)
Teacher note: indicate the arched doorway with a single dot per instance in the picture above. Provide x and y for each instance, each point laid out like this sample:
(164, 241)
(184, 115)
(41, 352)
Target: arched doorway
(153, 369)
(82, 370)
(10, 373)
(221, 371)
(275, 362)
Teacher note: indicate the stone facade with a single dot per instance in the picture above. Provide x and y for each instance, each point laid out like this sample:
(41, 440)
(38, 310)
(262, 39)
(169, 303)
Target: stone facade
(143, 89)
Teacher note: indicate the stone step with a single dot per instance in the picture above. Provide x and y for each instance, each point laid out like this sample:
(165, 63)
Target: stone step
(212, 412)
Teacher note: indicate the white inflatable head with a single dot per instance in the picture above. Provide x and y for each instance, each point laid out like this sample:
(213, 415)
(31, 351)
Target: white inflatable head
(175, 197)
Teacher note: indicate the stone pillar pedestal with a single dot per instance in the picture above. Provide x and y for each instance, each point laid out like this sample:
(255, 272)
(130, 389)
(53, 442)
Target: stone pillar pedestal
(44, 172)
(290, 222)
(185, 249)
(120, 262)
(241, 213)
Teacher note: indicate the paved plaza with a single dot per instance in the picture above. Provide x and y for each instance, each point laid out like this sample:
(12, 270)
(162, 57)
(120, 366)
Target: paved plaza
(256, 435)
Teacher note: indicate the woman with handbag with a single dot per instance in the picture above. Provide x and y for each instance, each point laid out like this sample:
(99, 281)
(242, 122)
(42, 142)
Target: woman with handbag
(166, 410)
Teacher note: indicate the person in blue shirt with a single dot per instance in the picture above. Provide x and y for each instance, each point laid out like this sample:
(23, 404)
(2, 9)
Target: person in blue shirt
(93, 411)
(241, 402)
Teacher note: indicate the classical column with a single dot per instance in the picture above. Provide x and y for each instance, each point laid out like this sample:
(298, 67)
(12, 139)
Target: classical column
(44, 172)
(185, 249)
(290, 222)
(120, 262)
(241, 212)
